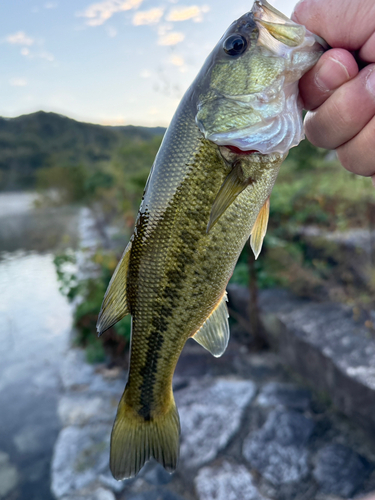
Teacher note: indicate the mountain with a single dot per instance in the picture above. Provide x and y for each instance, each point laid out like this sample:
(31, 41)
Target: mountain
(40, 140)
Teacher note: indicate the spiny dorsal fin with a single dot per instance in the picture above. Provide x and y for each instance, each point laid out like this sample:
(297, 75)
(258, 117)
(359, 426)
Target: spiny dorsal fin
(260, 228)
(115, 305)
(213, 335)
(230, 189)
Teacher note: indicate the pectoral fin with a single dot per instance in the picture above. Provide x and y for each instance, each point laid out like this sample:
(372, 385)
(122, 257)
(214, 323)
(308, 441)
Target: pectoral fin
(230, 189)
(214, 333)
(115, 305)
(260, 228)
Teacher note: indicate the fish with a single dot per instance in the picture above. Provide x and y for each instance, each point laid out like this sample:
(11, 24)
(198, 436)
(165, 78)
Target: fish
(207, 193)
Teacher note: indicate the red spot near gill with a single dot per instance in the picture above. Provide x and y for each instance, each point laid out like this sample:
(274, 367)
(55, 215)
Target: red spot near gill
(239, 151)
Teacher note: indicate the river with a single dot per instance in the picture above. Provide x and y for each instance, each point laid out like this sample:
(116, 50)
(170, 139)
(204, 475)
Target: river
(35, 326)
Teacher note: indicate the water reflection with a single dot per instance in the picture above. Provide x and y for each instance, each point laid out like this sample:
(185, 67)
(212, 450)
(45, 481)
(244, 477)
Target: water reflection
(34, 333)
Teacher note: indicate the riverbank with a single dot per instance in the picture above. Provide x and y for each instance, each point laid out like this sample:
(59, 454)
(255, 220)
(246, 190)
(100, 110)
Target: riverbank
(34, 335)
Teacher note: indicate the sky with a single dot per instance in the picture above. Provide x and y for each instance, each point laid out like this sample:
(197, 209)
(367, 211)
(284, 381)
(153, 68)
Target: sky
(112, 62)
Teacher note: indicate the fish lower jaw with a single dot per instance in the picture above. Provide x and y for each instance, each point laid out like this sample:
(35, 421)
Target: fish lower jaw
(239, 151)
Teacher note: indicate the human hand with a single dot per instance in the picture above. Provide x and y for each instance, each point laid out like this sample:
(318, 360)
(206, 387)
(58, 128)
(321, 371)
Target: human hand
(339, 96)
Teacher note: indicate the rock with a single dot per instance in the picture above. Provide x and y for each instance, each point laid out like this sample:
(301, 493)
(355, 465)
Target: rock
(30, 439)
(74, 371)
(102, 494)
(339, 470)
(81, 409)
(278, 450)
(8, 475)
(226, 482)
(80, 456)
(110, 482)
(323, 343)
(77, 374)
(158, 494)
(96, 494)
(210, 416)
(155, 474)
(288, 395)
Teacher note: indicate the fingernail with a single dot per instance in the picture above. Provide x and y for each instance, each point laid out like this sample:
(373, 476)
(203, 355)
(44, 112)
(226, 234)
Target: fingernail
(370, 82)
(331, 75)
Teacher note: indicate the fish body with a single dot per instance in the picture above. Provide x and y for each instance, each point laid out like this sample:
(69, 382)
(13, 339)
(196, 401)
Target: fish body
(207, 192)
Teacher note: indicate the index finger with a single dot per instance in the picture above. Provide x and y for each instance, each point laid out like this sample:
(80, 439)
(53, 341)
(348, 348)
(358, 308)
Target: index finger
(334, 68)
(342, 23)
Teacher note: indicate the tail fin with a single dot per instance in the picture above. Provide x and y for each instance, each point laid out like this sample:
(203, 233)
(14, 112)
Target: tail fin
(135, 440)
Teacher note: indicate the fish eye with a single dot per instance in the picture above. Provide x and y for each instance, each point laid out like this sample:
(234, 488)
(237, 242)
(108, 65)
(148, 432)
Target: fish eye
(235, 45)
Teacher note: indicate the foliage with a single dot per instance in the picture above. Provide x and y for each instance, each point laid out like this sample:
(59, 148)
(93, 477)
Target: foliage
(45, 140)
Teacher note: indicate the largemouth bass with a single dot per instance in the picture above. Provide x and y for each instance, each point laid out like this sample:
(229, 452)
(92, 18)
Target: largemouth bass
(207, 192)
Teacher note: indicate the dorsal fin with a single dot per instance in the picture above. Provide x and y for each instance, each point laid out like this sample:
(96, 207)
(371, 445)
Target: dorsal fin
(115, 305)
(260, 228)
(213, 335)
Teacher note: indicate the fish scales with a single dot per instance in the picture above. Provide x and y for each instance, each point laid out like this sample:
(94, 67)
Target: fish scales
(207, 192)
(167, 264)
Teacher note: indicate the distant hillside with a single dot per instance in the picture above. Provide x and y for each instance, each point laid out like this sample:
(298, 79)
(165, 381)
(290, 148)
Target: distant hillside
(39, 140)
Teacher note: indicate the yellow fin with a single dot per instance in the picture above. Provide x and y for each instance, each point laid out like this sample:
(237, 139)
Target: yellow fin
(135, 440)
(230, 189)
(260, 228)
(214, 333)
(115, 305)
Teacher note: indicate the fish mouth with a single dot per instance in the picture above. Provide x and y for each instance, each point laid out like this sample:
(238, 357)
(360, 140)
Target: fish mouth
(280, 27)
(239, 151)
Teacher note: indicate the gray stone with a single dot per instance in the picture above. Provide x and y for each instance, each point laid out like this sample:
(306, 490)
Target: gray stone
(77, 374)
(111, 483)
(92, 494)
(339, 470)
(74, 371)
(155, 474)
(80, 456)
(278, 450)
(210, 416)
(8, 475)
(81, 409)
(158, 494)
(226, 482)
(30, 439)
(323, 343)
(288, 395)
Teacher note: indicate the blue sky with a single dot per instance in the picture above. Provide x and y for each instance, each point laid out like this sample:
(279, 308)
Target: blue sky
(112, 61)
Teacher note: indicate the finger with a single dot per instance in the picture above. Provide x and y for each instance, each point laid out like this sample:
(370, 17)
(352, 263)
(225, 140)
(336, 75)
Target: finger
(334, 68)
(358, 155)
(337, 21)
(344, 113)
(367, 52)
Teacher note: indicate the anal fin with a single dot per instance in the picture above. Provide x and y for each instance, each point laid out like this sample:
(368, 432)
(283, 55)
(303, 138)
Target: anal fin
(260, 228)
(214, 333)
(115, 305)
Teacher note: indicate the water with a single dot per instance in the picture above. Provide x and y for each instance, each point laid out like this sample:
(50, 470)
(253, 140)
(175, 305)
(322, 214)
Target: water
(34, 334)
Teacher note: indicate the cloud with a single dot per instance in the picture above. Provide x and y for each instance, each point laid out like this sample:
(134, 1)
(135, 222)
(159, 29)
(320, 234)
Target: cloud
(18, 82)
(20, 38)
(152, 16)
(177, 60)
(185, 13)
(50, 5)
(171, 38)
(25, 51)
(98, 13)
